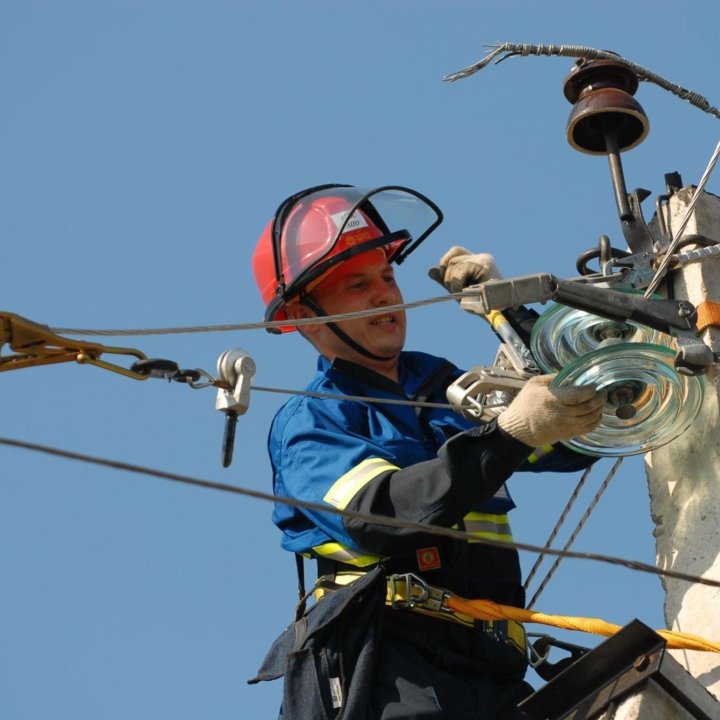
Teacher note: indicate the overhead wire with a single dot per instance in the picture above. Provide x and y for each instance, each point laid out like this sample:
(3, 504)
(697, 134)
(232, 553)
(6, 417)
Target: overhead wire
(268, 325)
(509, 49)
(355, 398)
(383, 520)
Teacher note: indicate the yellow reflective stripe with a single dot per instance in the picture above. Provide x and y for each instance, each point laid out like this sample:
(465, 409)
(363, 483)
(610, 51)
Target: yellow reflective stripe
(340, 553)
(540, 453)
(488, 525)
(345, 488)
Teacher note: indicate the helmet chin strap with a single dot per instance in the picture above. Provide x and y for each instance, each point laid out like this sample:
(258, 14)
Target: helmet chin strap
(309, 302)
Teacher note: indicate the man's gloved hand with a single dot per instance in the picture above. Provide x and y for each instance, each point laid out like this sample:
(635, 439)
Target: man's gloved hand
(460, 268)
(543, 415)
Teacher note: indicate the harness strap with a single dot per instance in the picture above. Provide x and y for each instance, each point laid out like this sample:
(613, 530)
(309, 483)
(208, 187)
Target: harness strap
(406, 591)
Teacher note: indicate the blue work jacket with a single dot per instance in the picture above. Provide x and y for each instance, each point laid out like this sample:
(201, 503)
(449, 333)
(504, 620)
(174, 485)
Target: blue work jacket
(425, 465)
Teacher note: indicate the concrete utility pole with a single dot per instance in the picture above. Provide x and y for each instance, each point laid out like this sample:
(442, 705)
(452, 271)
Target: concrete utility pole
(684, 476)
(629, 677)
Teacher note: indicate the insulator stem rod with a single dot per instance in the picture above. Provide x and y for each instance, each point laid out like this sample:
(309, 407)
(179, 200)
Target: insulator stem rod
(618, 177)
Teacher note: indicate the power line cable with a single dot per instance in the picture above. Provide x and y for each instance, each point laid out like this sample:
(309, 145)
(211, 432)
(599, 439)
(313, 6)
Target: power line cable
(362, 517)
(357, 398)
(508, 50)
(274, 324)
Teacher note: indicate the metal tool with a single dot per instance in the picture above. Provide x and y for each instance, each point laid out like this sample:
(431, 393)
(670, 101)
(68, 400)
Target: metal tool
(674, 317)
(35, 344)
(236, 369)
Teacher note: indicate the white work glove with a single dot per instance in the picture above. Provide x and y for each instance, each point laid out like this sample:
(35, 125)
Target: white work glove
(460, 268)
(542, 415)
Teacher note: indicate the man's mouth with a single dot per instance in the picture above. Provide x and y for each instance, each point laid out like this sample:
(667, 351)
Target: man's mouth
(383, 320)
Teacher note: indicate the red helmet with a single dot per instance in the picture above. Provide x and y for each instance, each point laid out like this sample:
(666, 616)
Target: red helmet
(316, 229)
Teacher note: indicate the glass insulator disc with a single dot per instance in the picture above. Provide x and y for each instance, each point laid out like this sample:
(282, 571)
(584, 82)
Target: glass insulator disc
(563, 334)
(649, 403)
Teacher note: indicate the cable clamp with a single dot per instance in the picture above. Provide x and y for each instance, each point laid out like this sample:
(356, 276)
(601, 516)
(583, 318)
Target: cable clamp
(35, 344)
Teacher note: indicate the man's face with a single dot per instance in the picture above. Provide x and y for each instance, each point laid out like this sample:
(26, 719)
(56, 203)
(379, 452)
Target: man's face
(363, 282)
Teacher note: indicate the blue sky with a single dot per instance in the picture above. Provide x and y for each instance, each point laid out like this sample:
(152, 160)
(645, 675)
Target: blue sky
(143, 147)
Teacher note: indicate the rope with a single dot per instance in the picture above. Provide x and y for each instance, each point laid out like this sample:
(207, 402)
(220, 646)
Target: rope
(362, 517)
(577, 530)
(558, 525)
(489, 610)
(575, 51)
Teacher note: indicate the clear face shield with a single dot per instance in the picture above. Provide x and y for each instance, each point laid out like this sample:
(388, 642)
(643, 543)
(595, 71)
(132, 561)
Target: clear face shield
(315, 230)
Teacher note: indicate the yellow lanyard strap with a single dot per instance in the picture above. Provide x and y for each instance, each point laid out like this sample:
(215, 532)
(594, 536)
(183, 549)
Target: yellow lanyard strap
(488, 610)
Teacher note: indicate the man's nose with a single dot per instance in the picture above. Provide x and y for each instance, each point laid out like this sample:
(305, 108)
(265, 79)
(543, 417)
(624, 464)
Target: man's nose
(382, 293)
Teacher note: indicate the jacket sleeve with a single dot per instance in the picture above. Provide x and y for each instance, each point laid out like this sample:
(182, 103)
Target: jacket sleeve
(470, 468)
(332, 462)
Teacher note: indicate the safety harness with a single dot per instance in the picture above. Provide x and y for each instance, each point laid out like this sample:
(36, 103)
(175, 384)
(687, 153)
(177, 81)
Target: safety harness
(409, 592)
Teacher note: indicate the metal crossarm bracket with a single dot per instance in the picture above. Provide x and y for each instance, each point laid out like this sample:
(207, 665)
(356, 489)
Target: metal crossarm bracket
(34, 344)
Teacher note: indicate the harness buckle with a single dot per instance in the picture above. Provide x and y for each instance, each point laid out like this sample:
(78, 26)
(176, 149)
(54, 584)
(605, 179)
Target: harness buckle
(415, 591)
(407, 591)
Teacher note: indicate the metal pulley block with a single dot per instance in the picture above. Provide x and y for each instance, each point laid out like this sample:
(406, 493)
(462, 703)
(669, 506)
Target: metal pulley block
(483, 392)
(235, 369)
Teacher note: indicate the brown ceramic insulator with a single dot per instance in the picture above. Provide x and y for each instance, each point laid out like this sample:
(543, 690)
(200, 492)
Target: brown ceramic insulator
(602, 95)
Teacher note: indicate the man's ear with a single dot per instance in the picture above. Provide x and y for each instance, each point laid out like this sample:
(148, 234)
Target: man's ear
(298, 311)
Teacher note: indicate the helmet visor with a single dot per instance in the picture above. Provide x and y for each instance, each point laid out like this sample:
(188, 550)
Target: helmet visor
(317, 230)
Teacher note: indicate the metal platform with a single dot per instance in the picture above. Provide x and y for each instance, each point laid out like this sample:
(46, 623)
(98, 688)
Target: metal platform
(633, 662)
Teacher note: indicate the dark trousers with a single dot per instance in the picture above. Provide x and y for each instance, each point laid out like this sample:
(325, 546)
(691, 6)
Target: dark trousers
(407, 685)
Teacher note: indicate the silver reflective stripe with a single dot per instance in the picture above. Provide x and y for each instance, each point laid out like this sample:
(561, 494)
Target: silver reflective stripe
(342, 554)
(488, 525)
(345, 488)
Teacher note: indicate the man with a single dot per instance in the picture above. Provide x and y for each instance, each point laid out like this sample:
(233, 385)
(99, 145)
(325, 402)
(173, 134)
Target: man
(329, 251)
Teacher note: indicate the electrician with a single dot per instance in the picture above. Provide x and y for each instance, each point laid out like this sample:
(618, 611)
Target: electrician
(330, 250)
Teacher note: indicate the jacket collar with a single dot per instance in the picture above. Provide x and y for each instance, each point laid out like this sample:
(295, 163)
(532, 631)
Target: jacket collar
(365, 375)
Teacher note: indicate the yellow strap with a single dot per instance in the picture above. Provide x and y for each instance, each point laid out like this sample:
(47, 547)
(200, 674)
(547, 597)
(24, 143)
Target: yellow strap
(708, 313)
(488, 610)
